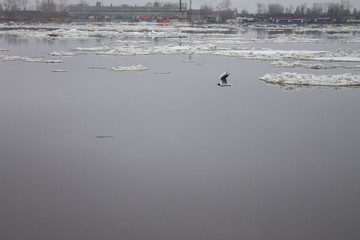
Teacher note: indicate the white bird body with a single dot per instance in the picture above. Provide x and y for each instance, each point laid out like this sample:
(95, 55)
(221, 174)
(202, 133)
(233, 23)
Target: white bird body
(223, 80)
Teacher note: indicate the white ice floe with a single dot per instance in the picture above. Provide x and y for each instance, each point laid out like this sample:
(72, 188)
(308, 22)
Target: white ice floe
(138, 68)
(62, 54)
(51, 61)
(59, 70)
(263, 54)
(338, 59)
(188, 61)
(286, 78)
(5, 58)
(162, 73)
(97, 67)
(283, 64)
(93, 49)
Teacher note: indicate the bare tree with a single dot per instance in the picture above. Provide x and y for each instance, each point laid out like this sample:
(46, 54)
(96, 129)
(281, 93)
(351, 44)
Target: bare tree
(205, 11)
(300, 10)
(83, 3)
(261, 8)
(14, 5)
(61, 5)
(244, 12)
(335, 10)
(226, 10)
(47, 7)
(289, 9)
(275, 8)
(224, 5)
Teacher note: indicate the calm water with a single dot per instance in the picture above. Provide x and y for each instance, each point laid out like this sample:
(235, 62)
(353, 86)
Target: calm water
(96, 154)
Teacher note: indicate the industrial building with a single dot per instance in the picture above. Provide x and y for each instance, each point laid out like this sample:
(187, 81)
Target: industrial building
(153, 12)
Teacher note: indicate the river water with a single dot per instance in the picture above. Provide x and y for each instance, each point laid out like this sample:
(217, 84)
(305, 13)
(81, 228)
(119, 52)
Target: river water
(166, 154)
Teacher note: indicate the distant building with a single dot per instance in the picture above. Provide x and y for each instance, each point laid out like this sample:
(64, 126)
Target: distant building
(128, 13)
(21, 15)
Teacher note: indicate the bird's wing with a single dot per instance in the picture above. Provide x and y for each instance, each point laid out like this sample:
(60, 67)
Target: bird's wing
(224, 75)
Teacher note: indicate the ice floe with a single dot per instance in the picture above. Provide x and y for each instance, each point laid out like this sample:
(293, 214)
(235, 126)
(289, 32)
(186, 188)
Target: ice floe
(283, 64)
(59, 70)
(287, 78)
(162, 73)
(245, 53)
(62, 54)
(97, 67)
(5, 58)
(92, 49)
(136, 68)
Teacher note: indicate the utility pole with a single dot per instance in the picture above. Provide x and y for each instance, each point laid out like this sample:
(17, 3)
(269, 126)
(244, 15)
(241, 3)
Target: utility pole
(190, 12)
(180, 6)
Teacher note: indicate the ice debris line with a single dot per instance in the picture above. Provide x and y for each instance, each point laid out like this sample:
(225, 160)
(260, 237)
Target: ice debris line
(286, 78)
(263, 54)
(55, 31)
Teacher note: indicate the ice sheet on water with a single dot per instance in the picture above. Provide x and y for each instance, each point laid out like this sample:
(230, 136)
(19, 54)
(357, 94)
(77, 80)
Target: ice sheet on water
(62, 54)
(263, 54)
(92, 49)
(97, 67)
(287, 78)
(6, 58)
(284, 64)
(135, 68)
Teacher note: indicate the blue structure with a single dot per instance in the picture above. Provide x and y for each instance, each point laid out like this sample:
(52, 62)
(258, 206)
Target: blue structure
(287, 21)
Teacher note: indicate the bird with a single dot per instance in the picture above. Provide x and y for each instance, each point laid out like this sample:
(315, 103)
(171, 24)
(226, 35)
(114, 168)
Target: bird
(223, 80)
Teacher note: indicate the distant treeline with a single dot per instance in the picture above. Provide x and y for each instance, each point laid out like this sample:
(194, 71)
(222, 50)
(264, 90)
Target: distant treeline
(44, 8)
(316, 10)
(18, 9)
(303, 10)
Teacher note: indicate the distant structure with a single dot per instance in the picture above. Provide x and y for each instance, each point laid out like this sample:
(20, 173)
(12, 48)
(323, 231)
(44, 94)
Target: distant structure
(154, 12)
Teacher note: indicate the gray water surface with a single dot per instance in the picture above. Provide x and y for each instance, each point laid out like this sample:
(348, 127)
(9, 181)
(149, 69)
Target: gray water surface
(166, 154)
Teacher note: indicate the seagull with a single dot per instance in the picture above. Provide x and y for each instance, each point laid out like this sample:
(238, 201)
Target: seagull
(223, 80)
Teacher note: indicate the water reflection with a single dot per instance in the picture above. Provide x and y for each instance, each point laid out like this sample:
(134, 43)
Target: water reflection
(14, 40)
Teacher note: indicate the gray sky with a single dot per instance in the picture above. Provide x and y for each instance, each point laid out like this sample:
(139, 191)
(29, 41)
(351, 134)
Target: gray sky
(249, 5)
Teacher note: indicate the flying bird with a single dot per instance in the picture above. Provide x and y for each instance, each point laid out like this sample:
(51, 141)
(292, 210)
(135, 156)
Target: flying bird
(223, 80)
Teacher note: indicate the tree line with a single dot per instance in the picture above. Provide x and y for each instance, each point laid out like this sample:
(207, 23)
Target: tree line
(318, 10)
(302, 10)
(224, 9)
(47, 7)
